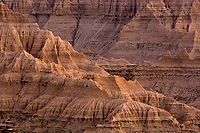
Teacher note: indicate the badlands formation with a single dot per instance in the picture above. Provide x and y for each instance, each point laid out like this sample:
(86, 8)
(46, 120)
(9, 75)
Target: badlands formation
(46, 86)
(174, 76)
(140, 31)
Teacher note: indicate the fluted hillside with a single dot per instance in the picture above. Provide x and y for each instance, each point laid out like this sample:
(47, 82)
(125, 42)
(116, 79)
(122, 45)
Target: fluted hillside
(138, 30)
(46, 85)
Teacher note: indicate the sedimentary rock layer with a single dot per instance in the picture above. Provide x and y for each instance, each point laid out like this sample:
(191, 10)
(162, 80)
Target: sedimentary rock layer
(47, 94)
(47, 86)
(176, 77)
(139, 31)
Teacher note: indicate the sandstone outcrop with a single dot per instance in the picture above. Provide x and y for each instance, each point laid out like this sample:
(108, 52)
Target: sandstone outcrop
(155, 30)
(182, 58)
(8, 16)
(47, 86)
(176, 77)
(195, 53)
(179, 82)
(48, 94)
(139, 31)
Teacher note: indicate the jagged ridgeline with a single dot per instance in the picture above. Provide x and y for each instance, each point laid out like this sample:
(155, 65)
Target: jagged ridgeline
(174, 76)
(46, 85)
(140, 31)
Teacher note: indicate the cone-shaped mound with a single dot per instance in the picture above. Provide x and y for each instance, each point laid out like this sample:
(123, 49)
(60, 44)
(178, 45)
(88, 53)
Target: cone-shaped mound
(183, 54)
(195, 53)
(181, 59)
(165, 59)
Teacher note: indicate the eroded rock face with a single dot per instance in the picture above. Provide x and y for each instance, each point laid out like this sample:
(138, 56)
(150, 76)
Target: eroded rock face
(139, 31)
(174, 76)
(47, 86)
(50, 94)
(195, 53)
(179, 82)
(181, 59)
(11, 17)
(162, 26)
